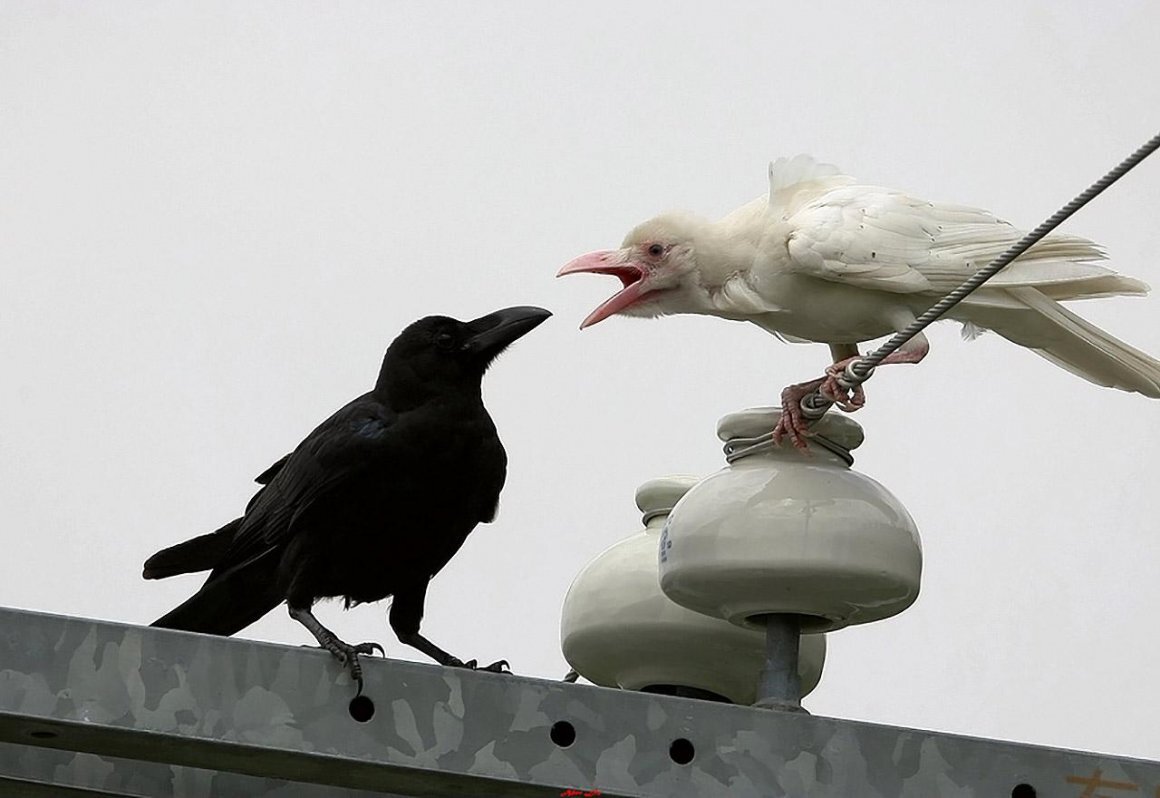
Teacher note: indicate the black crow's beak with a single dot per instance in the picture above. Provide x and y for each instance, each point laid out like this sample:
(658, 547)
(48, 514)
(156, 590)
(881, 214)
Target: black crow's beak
(491, 334)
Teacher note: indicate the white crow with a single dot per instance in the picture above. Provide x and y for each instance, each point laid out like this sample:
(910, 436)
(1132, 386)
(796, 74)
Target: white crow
(827, 259)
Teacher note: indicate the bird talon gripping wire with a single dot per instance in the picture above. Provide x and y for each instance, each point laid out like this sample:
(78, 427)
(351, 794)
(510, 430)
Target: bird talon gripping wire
(815, 405)
(855, 373)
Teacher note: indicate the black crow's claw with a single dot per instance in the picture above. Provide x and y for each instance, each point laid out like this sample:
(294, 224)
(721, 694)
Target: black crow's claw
(500, 666)
(369, 649)
(362, 648)
(571, 676)
(348, 656)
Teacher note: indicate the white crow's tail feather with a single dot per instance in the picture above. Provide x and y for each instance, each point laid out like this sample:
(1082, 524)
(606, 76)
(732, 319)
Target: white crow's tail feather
(1052, 331)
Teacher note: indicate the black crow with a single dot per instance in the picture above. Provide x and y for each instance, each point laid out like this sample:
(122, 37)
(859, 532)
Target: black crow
(372, 504)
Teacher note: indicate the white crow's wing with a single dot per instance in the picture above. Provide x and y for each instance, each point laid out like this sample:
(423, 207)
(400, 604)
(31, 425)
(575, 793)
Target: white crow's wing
(884, 240)
(794, 181)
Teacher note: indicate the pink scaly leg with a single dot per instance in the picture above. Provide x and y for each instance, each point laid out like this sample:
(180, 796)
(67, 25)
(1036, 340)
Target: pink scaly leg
(794, 424)
(849, 400)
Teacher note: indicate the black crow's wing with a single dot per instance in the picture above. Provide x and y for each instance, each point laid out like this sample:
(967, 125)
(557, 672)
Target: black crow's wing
(267, 476)
(205, 552)
(355, 440)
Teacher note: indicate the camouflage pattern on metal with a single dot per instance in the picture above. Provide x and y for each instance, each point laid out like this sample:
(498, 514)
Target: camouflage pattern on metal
(110, 709)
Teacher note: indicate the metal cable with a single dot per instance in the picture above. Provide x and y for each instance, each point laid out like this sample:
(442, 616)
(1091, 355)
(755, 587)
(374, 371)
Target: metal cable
(737, 448)
(858, 371)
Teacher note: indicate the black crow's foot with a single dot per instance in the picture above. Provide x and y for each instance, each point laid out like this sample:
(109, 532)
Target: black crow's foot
(369, 649)
(571, 676)
(344, 652)
(361, 648)
(348, 656)
(499, 666)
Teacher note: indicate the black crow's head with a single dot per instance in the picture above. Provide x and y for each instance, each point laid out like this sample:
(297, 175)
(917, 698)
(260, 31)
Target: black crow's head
(438, 353)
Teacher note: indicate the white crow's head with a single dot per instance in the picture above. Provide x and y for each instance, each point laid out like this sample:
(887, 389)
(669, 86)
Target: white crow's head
(657, 266)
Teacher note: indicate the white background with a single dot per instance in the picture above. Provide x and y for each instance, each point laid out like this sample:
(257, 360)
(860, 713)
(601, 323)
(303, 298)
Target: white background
(215, 216)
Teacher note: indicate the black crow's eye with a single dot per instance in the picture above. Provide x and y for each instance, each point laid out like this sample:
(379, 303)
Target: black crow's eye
(656, 250)
(444, 340)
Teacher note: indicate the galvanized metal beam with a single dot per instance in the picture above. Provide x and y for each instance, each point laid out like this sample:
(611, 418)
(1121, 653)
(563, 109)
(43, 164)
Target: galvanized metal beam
(124, 710)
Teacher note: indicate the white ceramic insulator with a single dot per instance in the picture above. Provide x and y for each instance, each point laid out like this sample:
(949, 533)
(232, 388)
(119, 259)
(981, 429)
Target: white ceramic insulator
(777, 531)
(619, 630)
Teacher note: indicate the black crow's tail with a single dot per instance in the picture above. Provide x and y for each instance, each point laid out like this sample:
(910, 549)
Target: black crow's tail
(229, 602)
(202, 553)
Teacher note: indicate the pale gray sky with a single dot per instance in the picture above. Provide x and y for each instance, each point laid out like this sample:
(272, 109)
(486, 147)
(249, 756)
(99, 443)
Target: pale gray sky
(215, 216)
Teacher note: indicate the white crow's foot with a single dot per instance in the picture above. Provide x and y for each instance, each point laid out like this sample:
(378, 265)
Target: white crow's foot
(851, 399)
(792, 422)
(848, 399)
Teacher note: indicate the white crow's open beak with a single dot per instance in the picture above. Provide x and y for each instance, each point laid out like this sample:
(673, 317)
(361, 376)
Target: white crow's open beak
(617, 263)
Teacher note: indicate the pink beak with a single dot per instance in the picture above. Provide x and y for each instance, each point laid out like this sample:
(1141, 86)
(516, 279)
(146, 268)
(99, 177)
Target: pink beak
(610, 262)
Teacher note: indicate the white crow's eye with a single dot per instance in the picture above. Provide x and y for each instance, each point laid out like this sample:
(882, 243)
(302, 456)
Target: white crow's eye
(444, 340)
(656, 250)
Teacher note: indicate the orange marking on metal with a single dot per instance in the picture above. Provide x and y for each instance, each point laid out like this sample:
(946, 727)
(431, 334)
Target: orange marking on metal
(1095, 780)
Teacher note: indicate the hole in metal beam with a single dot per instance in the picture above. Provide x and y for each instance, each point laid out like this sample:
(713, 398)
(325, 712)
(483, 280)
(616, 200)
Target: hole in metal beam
(563, 733)
(681, 751)
(361, 708)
